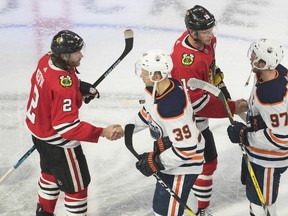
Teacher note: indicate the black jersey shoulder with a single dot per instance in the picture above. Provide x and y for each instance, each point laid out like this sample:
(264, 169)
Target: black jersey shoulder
(173, 103)
(273, 91)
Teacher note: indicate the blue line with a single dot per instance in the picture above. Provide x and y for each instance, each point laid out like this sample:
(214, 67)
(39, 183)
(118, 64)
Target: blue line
(9, 26)
(115, 26)
(151, 28)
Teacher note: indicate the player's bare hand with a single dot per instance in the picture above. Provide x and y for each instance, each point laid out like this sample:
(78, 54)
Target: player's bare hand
(241, 106)
(118, 133)
(113, 132)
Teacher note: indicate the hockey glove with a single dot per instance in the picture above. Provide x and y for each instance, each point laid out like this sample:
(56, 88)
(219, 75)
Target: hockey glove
(162, 144)
(257, 123)
(219, 76)
(218, 81)
(238, 133)
(87, 90)
(149, 163)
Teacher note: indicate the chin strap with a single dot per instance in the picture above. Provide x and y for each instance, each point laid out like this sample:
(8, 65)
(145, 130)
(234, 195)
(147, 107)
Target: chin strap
(248, 80)
(154, 91)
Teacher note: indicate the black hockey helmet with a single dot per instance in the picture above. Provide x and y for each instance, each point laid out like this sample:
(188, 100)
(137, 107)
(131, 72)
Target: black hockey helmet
(199, 18)
(66, 41)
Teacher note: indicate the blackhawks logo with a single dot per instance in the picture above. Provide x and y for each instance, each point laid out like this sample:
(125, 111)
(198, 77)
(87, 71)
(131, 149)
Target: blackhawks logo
(187, 59)
(65, 81)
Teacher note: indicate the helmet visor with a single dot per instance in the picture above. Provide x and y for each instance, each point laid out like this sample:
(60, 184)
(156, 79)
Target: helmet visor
(250, 52)
(138, 68)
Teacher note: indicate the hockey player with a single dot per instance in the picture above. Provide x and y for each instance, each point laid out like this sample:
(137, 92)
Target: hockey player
(53, 120)
(178, 149)
(266, 137)
(194, 56)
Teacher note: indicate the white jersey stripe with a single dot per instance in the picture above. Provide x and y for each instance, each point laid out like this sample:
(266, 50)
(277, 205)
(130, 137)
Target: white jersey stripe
(74, 169)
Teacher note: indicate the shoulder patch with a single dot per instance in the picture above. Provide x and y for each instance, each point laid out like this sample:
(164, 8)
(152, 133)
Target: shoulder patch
(274, 90)
(65, 81)
(271, 92)
(173, 104)
(187, 59)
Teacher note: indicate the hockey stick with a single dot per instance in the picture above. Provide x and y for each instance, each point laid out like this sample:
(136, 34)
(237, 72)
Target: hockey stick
(15, 166)
(196, 83)
(129, 128)
(129, 36)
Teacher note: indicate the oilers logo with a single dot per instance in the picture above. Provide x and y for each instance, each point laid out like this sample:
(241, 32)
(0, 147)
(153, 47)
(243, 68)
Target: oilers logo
(187, 59)
(156, 131)
(65, 81)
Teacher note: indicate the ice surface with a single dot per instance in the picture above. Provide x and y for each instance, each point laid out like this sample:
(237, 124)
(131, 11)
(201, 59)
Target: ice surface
(117, 188)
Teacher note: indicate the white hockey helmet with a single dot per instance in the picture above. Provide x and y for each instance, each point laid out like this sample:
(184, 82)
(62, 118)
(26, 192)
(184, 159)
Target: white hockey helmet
(267, 50)
(155, 61)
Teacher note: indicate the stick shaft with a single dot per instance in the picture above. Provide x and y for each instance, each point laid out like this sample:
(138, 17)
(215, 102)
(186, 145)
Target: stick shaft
(16, 165)
(129, 37)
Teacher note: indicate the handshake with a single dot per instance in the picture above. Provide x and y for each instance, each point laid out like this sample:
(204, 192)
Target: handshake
(113, 132)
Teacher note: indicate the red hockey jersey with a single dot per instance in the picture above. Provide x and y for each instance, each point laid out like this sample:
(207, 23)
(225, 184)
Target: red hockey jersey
(192, 63)
(53, 107)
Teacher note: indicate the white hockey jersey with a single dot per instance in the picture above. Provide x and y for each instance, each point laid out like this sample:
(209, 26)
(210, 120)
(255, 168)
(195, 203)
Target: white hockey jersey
(171, 114)
(269, 147)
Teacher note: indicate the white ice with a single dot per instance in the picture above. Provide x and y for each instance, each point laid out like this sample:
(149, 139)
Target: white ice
(117, 188)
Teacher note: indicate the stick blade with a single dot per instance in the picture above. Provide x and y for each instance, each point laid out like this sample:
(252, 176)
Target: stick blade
(128, 34)
(129, 37)
(196, 83)
(128, 131)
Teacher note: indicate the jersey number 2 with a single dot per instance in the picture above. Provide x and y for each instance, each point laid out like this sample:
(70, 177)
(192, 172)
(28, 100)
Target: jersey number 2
(34, 103)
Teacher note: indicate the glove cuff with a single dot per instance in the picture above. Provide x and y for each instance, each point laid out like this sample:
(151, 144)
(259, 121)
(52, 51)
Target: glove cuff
(162, 144)
(157, 162)
(243, 136)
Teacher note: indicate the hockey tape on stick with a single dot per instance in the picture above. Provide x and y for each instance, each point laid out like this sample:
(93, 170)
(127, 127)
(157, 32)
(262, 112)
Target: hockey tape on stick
(15, 166)
(196, 83)
(129, 128)
(129, 37)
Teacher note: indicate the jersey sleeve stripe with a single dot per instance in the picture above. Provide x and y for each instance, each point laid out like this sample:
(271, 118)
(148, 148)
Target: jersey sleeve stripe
(270, 139)
(280, 141)
(265, 157)
(267, 152)
(184, 155)
(199, 157)
(66, 126)
(201, 103)
(200, 163)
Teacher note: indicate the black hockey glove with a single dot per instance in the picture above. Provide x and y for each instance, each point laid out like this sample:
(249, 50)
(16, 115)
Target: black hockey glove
(218, 81)
(88, 91)
(257, 123)
(149, 163)
(238, 133)
(162, 144)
